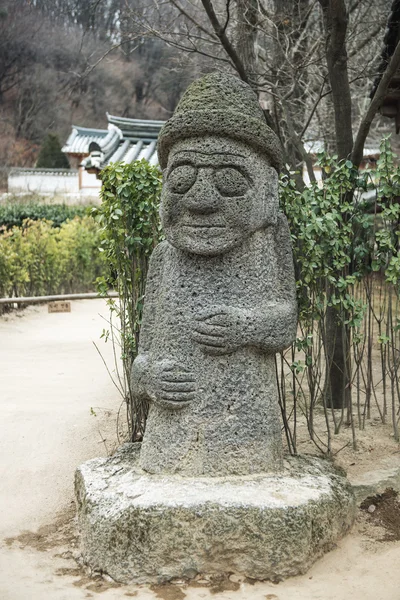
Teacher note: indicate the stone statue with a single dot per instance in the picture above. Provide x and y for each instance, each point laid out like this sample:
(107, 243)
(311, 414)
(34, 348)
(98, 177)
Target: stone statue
(220, 296)
(208, 490)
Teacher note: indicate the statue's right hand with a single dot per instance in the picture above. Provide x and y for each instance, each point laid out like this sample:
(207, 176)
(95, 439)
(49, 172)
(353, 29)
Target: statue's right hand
(173, 384)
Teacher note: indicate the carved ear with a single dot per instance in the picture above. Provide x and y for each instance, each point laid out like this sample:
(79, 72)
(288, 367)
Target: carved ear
(266, 202)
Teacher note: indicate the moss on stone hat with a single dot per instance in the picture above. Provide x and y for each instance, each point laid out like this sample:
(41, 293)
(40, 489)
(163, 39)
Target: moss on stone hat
(224, 105)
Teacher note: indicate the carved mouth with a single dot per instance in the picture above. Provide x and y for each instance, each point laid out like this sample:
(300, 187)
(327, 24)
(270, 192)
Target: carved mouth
(204, 226)
(206, 232)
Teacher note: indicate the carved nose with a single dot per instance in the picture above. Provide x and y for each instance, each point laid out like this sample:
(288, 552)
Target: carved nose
(203, 197)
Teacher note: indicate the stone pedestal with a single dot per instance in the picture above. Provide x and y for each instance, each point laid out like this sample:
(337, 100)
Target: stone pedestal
(141, 528)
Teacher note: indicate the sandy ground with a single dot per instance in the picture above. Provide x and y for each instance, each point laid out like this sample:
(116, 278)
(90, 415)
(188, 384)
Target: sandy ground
(58, 408)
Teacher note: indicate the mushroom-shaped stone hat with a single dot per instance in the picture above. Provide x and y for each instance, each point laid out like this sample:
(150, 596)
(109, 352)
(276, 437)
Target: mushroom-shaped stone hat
(220, 104)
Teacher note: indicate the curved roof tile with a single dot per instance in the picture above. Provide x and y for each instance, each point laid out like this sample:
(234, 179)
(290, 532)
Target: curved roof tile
(124, 140)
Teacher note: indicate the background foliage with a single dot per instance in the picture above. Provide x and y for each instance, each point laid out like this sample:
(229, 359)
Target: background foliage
(130, 228)
(50, 154)
(345, 236)
(13, 213)
(39, 259)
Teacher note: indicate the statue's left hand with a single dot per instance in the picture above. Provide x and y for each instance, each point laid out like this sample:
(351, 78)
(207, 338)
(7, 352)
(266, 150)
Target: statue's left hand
(219, 330)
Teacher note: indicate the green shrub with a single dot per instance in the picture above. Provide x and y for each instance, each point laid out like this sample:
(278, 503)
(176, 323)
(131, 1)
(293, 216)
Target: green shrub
(345, 234)
(39, 259)
(50, 155)
(131, 228)
(13, 214)
(80, 259)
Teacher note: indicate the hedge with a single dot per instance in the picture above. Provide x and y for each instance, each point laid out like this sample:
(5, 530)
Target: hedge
(39, 259)
(14, 214)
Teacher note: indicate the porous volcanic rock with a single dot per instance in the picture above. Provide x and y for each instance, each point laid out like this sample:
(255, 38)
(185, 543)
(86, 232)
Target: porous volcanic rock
(144, 528)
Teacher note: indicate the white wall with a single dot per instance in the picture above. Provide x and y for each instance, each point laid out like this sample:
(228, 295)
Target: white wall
(55, 183)
(89, 181)
(43, 181)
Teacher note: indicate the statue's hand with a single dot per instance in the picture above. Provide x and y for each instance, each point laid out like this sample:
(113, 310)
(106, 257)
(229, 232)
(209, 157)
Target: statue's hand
(219, 330)
(172, 384)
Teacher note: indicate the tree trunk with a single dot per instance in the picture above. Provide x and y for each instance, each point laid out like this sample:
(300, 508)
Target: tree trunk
(337, 387)
(290, 46)
(246, 37)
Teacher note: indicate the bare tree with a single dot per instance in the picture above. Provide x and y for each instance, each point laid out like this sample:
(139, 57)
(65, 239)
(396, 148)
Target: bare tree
(17, 50)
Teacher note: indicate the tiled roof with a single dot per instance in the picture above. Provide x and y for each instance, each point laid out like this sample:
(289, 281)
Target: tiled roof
(80, 138)
(125, 140)
(136, 128)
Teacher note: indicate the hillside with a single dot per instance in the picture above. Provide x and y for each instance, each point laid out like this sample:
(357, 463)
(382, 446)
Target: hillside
(61, 64)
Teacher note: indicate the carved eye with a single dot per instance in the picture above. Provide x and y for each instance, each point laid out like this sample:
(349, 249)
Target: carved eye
(230, 182)
(181, 179)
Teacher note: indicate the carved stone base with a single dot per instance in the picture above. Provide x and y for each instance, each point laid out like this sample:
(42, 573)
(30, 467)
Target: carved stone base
(145, 528)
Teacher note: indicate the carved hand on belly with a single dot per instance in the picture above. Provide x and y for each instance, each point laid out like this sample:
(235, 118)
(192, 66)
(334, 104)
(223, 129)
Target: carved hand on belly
(171, 384)
(219, 330)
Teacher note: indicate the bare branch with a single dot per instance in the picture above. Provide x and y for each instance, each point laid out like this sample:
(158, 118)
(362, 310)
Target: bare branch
(394, 64)
(366, 41)
(228, 16)
(314, 108)
(164, 37)
(98, 61)
(226, 44)
(190, 18)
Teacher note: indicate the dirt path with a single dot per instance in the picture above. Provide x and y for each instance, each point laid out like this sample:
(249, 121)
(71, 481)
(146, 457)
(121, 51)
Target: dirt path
(52, 385)
(51, 377)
